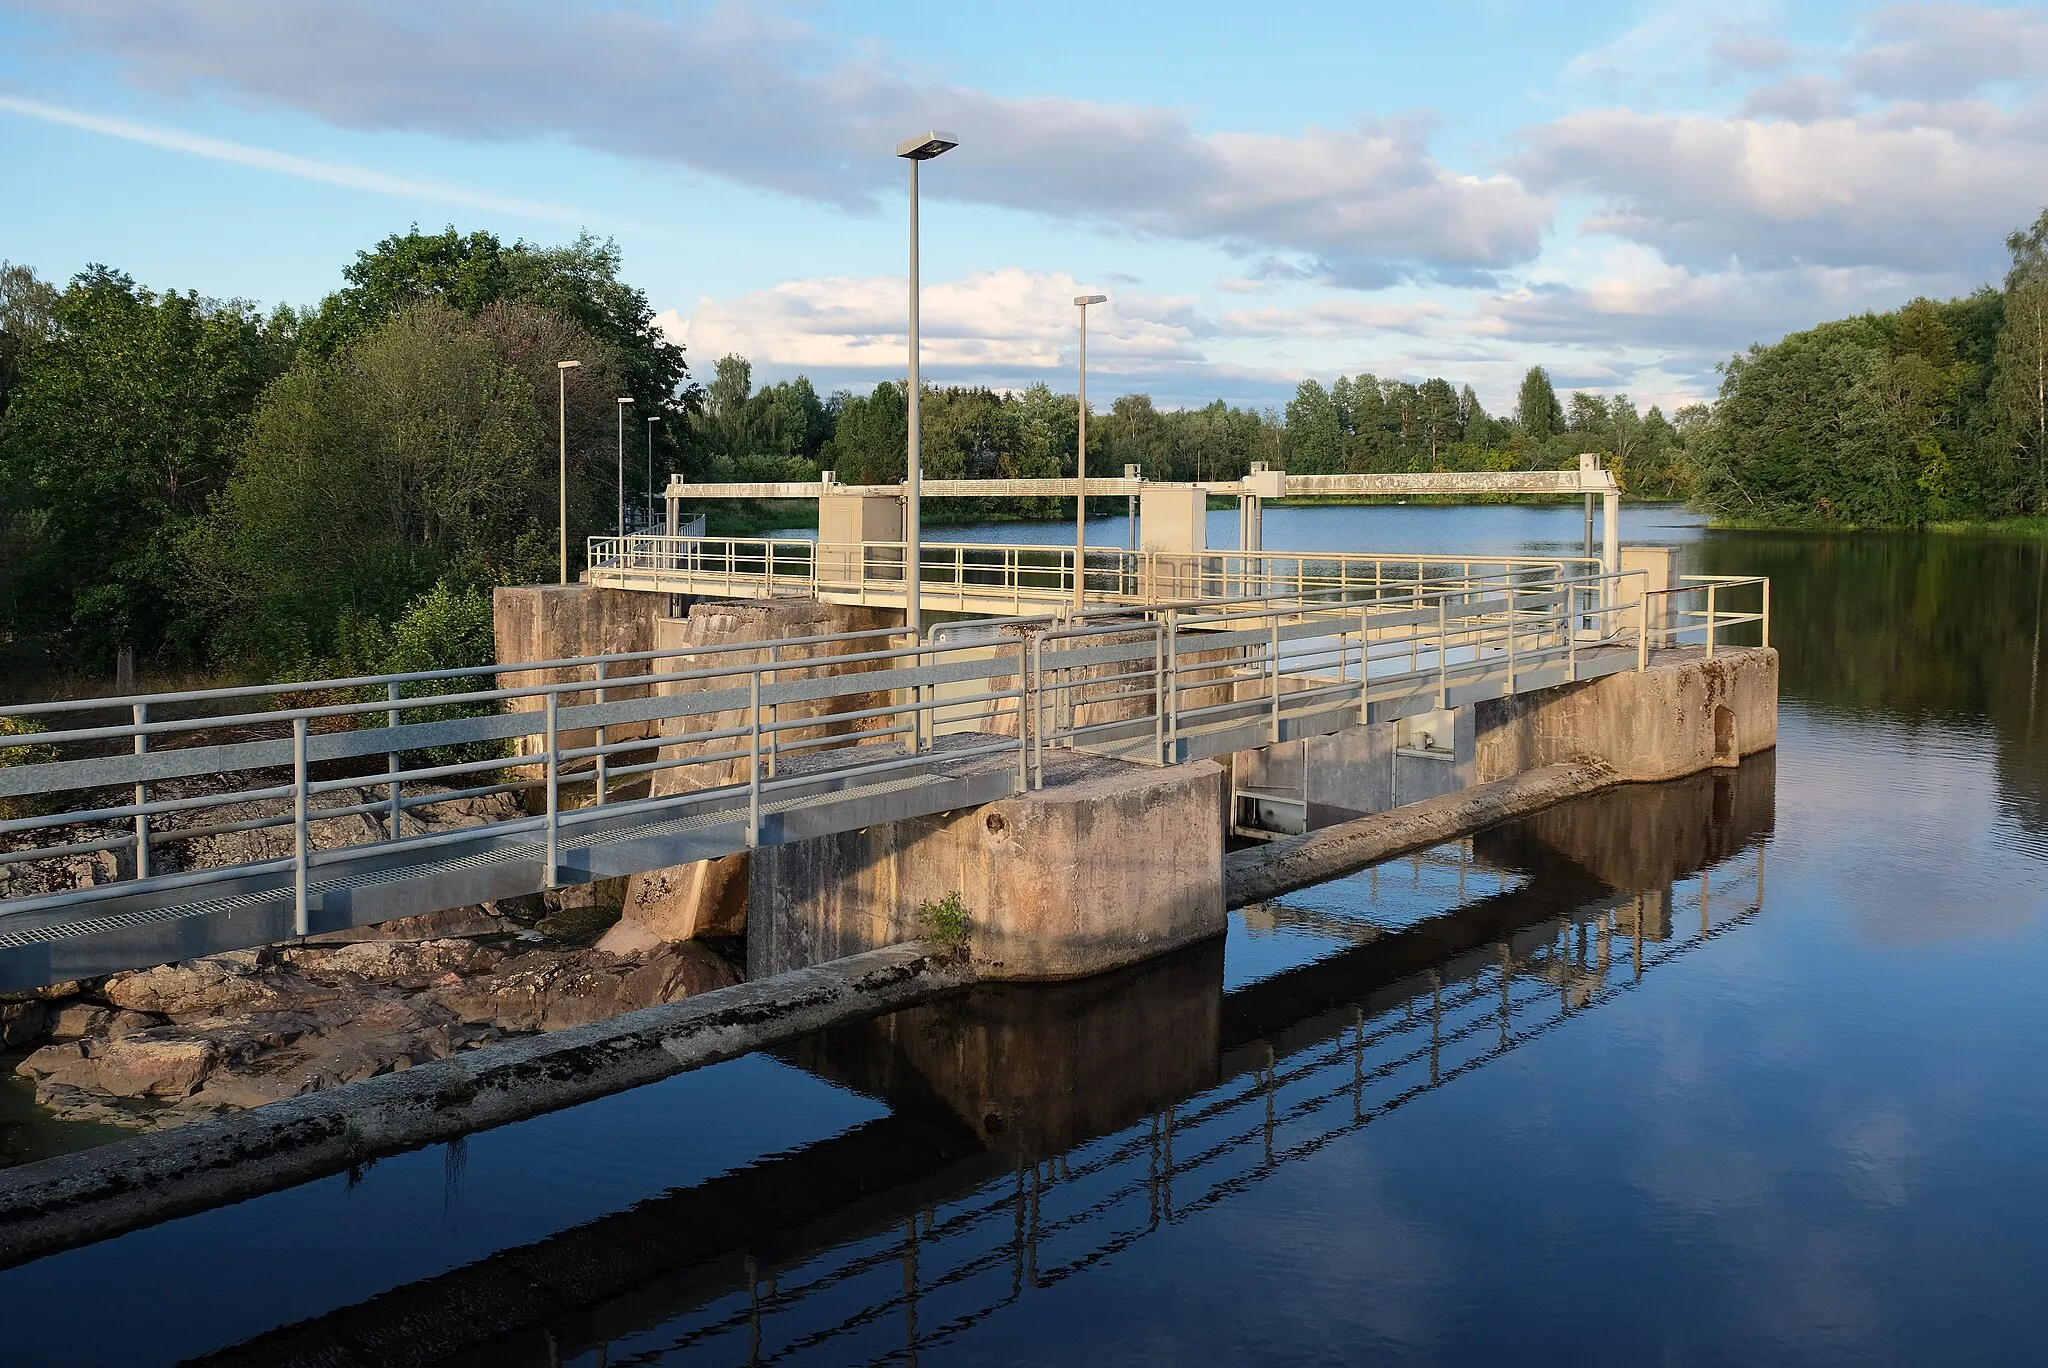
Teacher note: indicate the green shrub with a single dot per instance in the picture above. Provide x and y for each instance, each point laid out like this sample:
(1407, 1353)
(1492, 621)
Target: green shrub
(11, 808)
(442, 629)
(945, 921)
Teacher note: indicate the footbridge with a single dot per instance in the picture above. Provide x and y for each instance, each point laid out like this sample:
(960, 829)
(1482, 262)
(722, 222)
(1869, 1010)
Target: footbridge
(145, 829)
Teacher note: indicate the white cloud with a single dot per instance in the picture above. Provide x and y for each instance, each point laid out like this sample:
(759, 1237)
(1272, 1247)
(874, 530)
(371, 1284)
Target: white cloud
(1005, 327)
(1931, 188)
(264, 159)
(758, 98)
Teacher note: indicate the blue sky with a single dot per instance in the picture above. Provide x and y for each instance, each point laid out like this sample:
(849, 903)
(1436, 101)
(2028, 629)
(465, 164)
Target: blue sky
(1624, 193)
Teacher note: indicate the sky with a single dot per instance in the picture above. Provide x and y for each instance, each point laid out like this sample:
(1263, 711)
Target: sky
(1625, 194)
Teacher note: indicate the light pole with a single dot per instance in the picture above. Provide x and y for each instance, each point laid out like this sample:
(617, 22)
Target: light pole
(562, 369)
(914, 150)
(624, 400)
(650, 464)
(1081, 452)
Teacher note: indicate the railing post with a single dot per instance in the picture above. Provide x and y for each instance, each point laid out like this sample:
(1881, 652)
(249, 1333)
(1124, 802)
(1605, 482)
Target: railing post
(774, 712)
(1364, 666)
(1767, 614)
(1036, 688)
(1511, 640)
(1274, 620)
(1643, 630)
(1173, 682)
(554, 793)
(1710, 620)
(1443, 635)
(1571, 635)
(301, 833)
(603, 767)
(754, 759)
(1159, 704)
(391, 694)
(1024, 727)
(141, 795)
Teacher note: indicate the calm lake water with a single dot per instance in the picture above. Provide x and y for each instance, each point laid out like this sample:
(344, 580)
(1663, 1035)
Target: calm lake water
(1747, 1068)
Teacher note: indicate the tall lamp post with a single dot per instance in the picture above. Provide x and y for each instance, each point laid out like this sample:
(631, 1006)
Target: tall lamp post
(914, 150)
(650, 463)
(562, 369)
(1081, 453)
(624, 400)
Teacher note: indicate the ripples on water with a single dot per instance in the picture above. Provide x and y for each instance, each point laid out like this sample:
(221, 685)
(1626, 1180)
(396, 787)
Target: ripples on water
(1745, 1068)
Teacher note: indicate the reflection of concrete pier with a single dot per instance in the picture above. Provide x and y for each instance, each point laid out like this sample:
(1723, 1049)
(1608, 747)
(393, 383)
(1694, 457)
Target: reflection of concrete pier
(1038, 1130)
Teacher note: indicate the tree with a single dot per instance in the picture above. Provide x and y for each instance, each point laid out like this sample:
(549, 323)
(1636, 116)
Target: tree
(28, 318)
(422, 453)
(1438, 418)
(1315, 435)
(121, 426)
(2020, 390)
(1536, 407)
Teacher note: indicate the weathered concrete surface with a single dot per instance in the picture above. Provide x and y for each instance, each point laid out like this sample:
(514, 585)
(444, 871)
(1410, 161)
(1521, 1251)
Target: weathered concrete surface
(1683, 714)
(76, 1198)
(1111, 864)
(708, 898)
(562, 621)
(1268, 871)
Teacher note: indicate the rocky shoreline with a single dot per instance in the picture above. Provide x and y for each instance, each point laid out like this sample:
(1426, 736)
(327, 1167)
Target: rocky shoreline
(158, 1048)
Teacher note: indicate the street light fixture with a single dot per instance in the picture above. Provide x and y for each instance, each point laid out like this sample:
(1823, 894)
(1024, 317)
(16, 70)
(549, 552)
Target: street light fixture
(1081, 452)
(650, 463)
(914, 150)
(562, 369)
(624, 400)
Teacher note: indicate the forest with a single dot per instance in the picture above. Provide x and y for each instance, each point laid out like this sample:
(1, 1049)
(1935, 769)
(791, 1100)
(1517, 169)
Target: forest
(220, 489)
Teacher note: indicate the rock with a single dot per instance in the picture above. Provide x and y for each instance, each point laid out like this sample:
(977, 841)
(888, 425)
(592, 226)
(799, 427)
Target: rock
(685, 902)
(208, 987)
(628, 939)
(546, 992)
(475, 920)
(22, 1022)
(144, 1065)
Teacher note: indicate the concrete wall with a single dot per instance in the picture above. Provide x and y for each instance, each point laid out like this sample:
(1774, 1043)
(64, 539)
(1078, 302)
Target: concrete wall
(1107, 865)
(1683, 714)
(708, 898)
(558, 621)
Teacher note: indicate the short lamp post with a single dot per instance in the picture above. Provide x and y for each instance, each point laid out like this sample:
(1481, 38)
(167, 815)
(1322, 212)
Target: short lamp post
(624, 400)
(914, 150)
(562, 369)
(1081, 453)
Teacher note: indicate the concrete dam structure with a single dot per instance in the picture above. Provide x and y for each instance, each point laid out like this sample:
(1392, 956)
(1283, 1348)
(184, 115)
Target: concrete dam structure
(1022, 790)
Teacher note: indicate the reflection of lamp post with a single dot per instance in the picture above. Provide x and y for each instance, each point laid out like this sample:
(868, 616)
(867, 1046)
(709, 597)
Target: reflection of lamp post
(1081, 453)
(650, 464)
(562, 369)
(915, 150)
(624, 400)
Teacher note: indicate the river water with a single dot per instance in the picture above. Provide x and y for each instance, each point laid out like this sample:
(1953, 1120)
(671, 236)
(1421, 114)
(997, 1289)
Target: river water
(1747, 1068)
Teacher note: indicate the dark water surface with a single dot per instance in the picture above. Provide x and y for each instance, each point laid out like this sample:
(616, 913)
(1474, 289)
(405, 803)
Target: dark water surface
(1745, 1068)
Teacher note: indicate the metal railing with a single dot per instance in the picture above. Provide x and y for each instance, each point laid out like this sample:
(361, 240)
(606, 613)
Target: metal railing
(1675, 621)
(983, 577)
(746, 743)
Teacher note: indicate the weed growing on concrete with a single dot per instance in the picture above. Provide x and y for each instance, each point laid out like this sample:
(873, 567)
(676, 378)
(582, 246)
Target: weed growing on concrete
(944, 921)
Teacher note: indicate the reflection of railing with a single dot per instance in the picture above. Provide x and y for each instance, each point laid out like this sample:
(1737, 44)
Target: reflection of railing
(952, 1265)
(1712, 617)
(981, 577)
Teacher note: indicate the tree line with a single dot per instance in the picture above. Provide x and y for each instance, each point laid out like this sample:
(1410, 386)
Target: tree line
(1934, 412)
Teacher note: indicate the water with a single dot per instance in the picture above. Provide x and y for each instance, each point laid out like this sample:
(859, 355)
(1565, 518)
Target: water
(1740, 1069)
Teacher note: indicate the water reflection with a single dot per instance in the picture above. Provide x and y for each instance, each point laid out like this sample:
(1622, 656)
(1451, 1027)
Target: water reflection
(1036, 1132)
